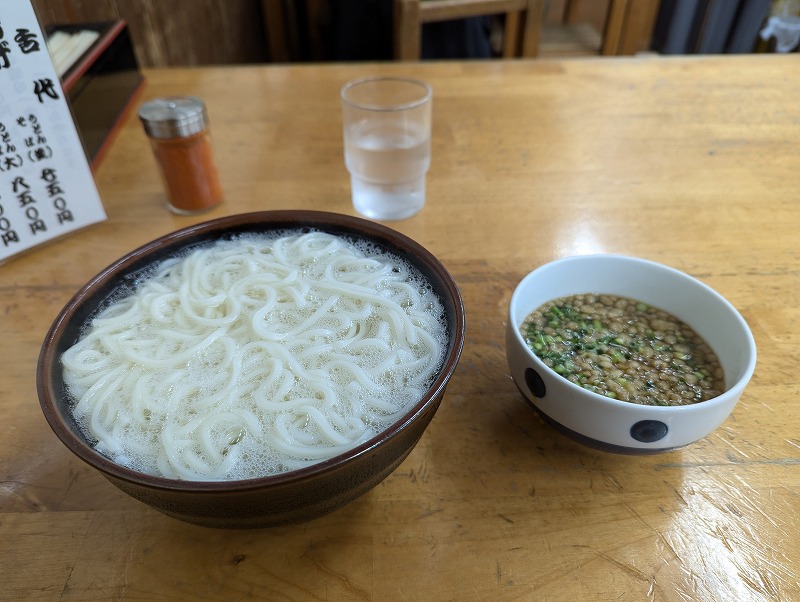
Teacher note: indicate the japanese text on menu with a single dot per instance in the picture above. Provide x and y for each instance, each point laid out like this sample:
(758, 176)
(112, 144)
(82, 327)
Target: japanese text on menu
(46, 184)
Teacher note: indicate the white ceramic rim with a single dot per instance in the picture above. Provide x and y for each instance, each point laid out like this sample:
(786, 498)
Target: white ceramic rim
(734, 389)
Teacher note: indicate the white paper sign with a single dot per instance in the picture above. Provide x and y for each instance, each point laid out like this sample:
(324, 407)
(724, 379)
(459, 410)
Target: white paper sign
(46, 184)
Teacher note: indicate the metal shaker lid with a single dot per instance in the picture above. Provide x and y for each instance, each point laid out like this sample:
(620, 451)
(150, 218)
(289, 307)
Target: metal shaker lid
(174, 116)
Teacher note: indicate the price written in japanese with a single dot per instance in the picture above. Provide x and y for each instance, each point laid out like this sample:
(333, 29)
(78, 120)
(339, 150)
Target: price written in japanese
(46, 185)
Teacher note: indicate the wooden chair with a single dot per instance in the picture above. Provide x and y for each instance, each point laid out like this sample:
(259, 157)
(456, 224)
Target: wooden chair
(523, 23)
(625, 29)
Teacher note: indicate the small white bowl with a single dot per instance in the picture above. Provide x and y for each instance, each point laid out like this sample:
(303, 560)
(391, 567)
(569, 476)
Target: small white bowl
(611, 424)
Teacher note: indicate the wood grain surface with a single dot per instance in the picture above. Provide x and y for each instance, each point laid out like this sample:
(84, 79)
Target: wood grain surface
(691, 162)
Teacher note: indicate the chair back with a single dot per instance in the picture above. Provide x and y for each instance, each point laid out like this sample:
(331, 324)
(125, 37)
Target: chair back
(624, 26)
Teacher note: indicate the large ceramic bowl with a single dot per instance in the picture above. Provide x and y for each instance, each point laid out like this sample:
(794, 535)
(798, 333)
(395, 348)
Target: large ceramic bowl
(271, 500)
(611, 424)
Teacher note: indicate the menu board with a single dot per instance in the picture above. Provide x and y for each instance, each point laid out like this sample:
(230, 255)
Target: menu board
(46, 185)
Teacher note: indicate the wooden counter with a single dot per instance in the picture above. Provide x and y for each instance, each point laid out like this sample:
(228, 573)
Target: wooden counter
(692, 162)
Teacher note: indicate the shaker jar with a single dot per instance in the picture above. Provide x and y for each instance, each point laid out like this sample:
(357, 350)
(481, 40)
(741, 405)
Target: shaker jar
(180, 137)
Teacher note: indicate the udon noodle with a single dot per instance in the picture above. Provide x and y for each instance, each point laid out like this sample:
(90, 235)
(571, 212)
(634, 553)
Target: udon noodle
(256, 356)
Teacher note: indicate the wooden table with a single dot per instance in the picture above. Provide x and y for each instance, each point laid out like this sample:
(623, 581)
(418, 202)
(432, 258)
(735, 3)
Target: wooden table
(692, 162)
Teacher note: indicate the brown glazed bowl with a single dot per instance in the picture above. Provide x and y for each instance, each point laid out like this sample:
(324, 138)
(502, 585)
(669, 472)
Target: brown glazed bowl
(286, 498)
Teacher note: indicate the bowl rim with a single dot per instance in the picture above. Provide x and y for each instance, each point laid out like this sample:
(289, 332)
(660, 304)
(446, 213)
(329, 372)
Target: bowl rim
(733, 391)
(290, 219)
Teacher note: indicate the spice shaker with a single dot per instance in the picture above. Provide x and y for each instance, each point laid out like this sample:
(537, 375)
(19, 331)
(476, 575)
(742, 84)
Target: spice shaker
(180, 137)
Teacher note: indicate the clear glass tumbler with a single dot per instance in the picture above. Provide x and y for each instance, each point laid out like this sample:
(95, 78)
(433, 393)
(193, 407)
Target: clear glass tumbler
(387, 144)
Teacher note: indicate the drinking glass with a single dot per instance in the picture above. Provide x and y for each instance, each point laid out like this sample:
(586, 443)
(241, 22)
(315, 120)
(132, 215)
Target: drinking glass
(387, 144)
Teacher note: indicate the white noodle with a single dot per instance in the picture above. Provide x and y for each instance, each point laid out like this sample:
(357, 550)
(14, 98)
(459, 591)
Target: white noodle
(256, 356)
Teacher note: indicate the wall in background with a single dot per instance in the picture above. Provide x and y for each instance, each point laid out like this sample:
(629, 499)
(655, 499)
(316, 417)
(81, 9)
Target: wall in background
(206, 32)
(173, 32)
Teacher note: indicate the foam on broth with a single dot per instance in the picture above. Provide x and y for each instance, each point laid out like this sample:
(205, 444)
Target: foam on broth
(256, 356)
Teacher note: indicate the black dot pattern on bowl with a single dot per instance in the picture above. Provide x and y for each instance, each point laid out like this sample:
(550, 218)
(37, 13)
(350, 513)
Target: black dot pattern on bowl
(534, 382)
(648, 431)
